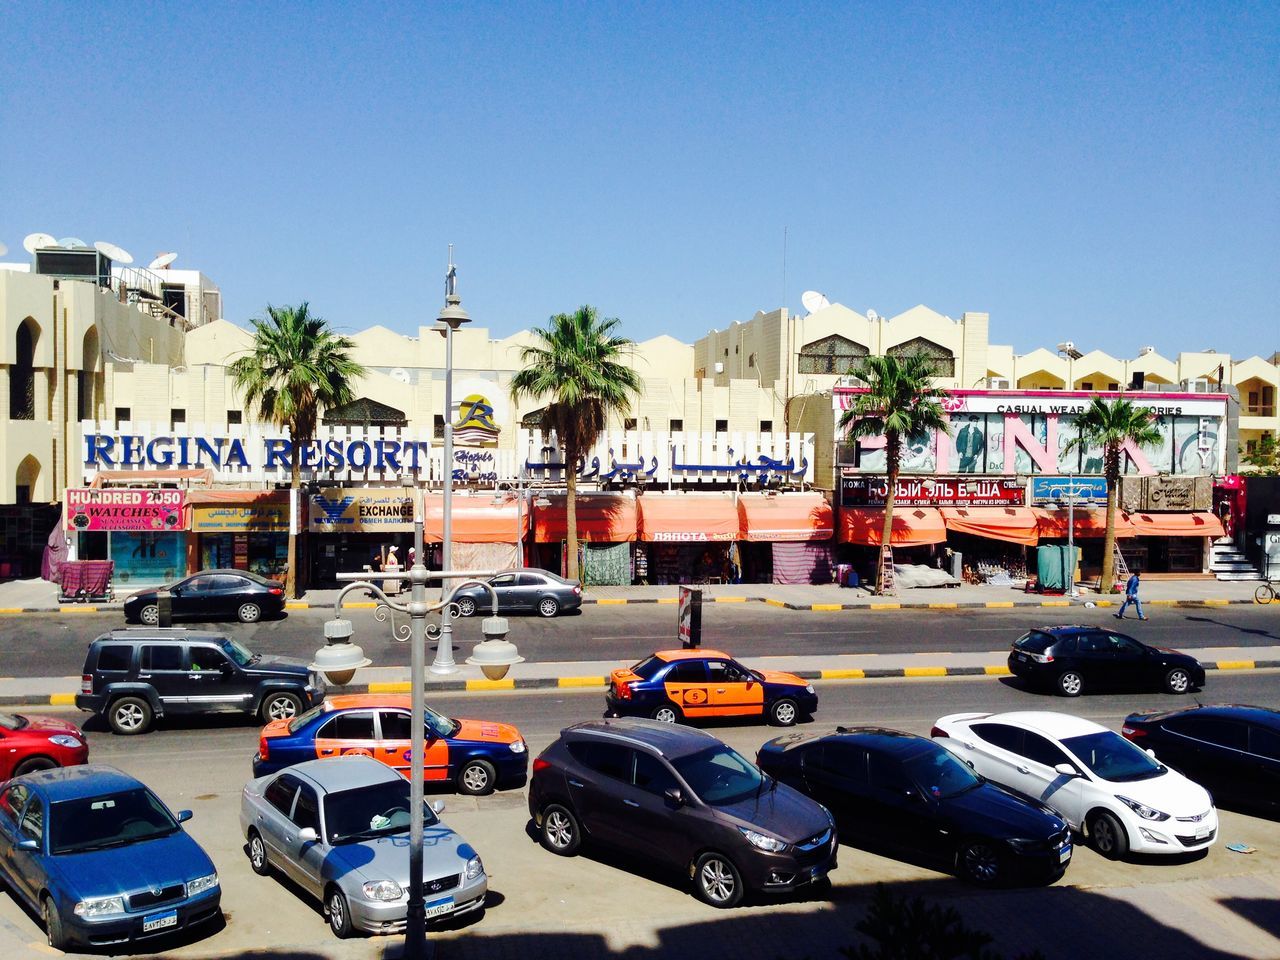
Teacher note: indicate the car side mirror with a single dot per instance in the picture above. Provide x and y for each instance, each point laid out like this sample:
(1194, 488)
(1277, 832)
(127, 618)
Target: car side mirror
(308, 835)
(674, 795)
(225, 668)
(1151, 753)
(437, 807)
(184, 816)
(1066, 770)
(32, 846)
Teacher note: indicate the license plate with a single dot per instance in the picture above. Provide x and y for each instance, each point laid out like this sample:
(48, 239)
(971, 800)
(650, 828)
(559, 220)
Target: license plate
(158, 921)
(816, 873)
(1204, 835)
(435, 908)
(1064, 854)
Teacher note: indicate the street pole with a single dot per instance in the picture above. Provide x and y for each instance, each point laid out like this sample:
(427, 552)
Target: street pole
(443, 663)
(1071, 533)
(415, 934)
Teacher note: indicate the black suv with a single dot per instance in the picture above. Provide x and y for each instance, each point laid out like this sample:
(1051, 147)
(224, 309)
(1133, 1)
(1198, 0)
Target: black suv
(681, 798)
(1075, 657)
(134, 675)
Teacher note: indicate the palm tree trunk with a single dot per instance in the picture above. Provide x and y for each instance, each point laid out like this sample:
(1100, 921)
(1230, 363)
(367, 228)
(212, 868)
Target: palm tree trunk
(891, 475)
(571, 515)
(1112, 469)
(295, 479)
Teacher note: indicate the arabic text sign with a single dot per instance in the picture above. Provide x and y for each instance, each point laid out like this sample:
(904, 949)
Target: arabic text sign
(124, 509)
(861, 491)
(361, 510)
(1064, 490)
(263, 516)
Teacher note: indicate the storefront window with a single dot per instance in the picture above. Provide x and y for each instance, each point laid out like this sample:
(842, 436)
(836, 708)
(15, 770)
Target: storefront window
(148, 557)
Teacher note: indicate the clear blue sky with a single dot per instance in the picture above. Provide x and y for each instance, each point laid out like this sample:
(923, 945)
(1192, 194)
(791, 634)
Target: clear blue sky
(1102, 172)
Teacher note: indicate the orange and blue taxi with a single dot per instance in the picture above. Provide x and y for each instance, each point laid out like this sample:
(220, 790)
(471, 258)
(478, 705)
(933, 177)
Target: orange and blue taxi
(477, 756)
(679, 685)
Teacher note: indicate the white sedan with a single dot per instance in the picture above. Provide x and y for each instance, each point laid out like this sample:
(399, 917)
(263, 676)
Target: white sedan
(1117, 795)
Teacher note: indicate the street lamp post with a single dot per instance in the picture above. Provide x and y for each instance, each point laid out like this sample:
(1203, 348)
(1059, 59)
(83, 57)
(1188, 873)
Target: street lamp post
(1072, 592)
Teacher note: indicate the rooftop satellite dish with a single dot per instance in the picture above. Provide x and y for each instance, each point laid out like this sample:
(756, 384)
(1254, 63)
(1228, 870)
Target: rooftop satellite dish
(118, 254)
(38, 241)
(400, 374)
(73, 243)
(814, 301)
(872, 315)
(162, 261)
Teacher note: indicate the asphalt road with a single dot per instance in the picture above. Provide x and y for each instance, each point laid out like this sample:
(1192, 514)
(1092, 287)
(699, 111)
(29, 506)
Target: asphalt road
(53, 644)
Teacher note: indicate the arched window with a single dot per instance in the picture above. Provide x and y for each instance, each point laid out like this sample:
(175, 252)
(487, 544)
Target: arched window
(944, 361)
(22, 380)
(86, 377)
(835, 355)
(25, 480)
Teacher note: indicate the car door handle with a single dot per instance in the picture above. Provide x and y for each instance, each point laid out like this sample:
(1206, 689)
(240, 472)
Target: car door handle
(575, 783)
(631, 803)
(968, 744)
(1023, 770)
(719, 689)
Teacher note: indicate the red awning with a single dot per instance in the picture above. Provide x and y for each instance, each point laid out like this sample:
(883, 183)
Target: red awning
(476, 520)
(791, 517)
(601, 519)
(1011, 524)
(912, 526)
(687, 518)
(135, 477)
(1176, 524)
(1089, 524)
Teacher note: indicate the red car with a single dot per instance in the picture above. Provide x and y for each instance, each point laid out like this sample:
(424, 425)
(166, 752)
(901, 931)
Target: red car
(28, 744)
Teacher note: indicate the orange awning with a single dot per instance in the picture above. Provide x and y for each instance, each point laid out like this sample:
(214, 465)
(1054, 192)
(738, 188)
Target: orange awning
(476, 520)
(912, 526)
(601, 519)
(686, 518)
(787, 516)
(1175, 524)
(197, 497)
(1011, 524)
(1088, 524)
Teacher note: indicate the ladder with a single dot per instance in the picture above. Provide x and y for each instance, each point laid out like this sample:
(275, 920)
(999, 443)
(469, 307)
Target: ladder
(886, 572)
(1121, 571)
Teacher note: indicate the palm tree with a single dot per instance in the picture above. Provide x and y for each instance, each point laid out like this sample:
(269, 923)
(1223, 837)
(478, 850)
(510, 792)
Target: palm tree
(1108, 424)
(296, 366)
(576, 368)
(900, 402)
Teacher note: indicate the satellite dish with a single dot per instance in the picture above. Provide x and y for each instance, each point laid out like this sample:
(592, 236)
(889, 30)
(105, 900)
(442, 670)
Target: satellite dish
(118, 254)
(3, 249)
(401, 374)
(814, 301)
(73, 243)
(162, 261)
(872, 315)
(38, 241)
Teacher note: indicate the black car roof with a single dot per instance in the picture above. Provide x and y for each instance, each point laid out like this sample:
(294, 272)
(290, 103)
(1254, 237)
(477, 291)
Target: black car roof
(156, 634)
(893, 742)
(1235, 711)
(670, 740)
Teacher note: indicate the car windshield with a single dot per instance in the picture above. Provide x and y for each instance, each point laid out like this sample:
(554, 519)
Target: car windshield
(302, 719)
(1112, 757)
(377, 810)
(12, 722)
(238, 653)
(940, 775)
(719, 776)
(112, 820)
(439, 725)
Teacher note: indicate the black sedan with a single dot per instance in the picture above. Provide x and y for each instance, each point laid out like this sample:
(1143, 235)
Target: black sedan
(211, 595)
(1072, 659)
(1232, 750)
(525, 590)
(902, 794)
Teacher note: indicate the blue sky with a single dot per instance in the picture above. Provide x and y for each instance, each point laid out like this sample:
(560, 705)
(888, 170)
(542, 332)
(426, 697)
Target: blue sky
(1105, 173)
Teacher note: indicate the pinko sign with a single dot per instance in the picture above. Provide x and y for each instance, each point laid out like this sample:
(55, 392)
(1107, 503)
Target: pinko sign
(123, 509)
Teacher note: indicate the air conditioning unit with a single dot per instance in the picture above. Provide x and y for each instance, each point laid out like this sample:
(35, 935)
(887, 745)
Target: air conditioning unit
(849, 380)
(1199, 385)
(998, 383)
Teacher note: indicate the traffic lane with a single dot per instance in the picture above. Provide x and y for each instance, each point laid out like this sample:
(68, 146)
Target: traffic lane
(53, 645)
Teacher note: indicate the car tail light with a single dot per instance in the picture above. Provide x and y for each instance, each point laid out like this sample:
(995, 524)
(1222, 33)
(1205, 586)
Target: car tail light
(577, 588)
(539, 765)
(622, 690)
(939, 732)
(276, 591)
(86, 683)
(264, 747)
(1132, 732)
(1041, 657)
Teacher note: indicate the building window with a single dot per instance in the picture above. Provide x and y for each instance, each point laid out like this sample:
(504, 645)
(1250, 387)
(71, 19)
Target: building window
(722, 426)
(766, 426)
(629, 423)
(834, 355)
(1113, 386)
(234, 418)
(22, 380)
(944, 361)
(1086, 385)
(751, 361)
(726, 351)
(676, 426)
(123, 415)
(177, 416)
(438, 427)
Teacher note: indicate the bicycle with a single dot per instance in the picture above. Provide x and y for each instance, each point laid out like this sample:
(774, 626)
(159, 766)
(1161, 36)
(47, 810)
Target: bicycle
(1266, 592)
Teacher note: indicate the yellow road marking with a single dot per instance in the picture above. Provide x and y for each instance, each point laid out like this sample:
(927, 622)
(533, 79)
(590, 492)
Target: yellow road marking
(850, 674)
(1235, 664)
(668, 599)
(998, 603)
(774, 603)
(608, 601)
(729, 599)
(360, 604)
(508, 684)
(77, 609)
(1055, 603)
(942, 606)
(582, 681)
(62, 700)
(1214, 603)
(10, 609)
(925, 672)
(827, 606)
(997, 671)
(886, 606)
(297, 605)
(391, 686)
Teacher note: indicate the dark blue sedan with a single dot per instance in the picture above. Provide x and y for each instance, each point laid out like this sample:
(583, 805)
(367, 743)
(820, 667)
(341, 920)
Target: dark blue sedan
(101, 859)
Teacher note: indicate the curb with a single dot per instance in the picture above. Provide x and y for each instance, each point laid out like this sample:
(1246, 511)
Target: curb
(552, 683)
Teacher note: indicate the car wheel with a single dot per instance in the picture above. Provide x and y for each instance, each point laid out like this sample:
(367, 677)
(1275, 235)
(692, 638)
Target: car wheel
(53, 925)
(979, 862)
(560, 831)
(548, 607)
(466, 607)
(1177, 680)
(129, 716)
(33, 764)
(249, 613)
(667, 713)
(476, 778)
(339, 913)
(717, 880)
(784, 712)
(150, 615)
(1070, 683)
(258, 854)
(1107, 835)
(280, 706)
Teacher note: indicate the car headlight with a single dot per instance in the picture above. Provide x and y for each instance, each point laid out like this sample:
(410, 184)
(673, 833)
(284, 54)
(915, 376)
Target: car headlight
(382, 890)
(1024, 845)
(763, 842)
(99, 907)
(517, 746)
(1142, 810)
(808, 688)
(474, 868)
(65, 740)
(201, 884)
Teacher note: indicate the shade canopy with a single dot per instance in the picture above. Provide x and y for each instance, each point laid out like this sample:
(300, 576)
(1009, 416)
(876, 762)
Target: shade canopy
(912, 526)
(687, 518)
(792, 517)
(1089, 524)
(1010, 524)
(475, 520)
(601, 519)
(1176, 524)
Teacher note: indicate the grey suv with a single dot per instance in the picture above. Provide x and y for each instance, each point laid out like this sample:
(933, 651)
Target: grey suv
(134, 675)
(682, 798)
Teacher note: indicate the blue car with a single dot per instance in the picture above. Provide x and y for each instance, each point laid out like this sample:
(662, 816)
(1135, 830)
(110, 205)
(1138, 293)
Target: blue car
(101, 858)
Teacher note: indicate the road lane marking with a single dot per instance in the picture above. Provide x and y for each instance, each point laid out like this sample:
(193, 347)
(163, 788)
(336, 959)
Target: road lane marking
(942, 606)
(393, 686)
(730, 599)
(62, 699)
(77, 609)
(1235, 664)
(827, 606)
(508, 684)
(850, 674)
(924, 671)
(992, 604)
(775, 603)
(610, 601)
(583, 681)
(886, 606)
(997, 671)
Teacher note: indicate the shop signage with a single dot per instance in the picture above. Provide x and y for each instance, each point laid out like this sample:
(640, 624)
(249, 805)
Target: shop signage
(689, 618)
(1080, 490)
(476, 466)
(1141, 494)
(266, 516)
(361, 510)
(104, 450)
(475, 425)
(861, 491)
(90, 509)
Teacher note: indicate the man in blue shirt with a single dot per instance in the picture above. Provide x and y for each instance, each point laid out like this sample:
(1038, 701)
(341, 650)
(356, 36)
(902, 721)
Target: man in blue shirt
(1131, 596)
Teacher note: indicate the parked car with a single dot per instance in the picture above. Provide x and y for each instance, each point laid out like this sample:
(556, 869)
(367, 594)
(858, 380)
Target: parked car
(1232, 749)
(478, 756)
(135, 675)
(1072, 659)
(683, 799)
(28, 744)
(339, 829)
(899, 793)
(524, 590)
(210, 595)
(1118, 796)
(100, 858)
(678, 685)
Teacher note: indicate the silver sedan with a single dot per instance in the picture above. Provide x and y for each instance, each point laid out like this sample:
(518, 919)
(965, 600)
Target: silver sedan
(339, 828)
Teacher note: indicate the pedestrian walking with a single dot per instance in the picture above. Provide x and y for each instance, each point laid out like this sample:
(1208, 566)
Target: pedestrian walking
(392, 565)
(1131, 596)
